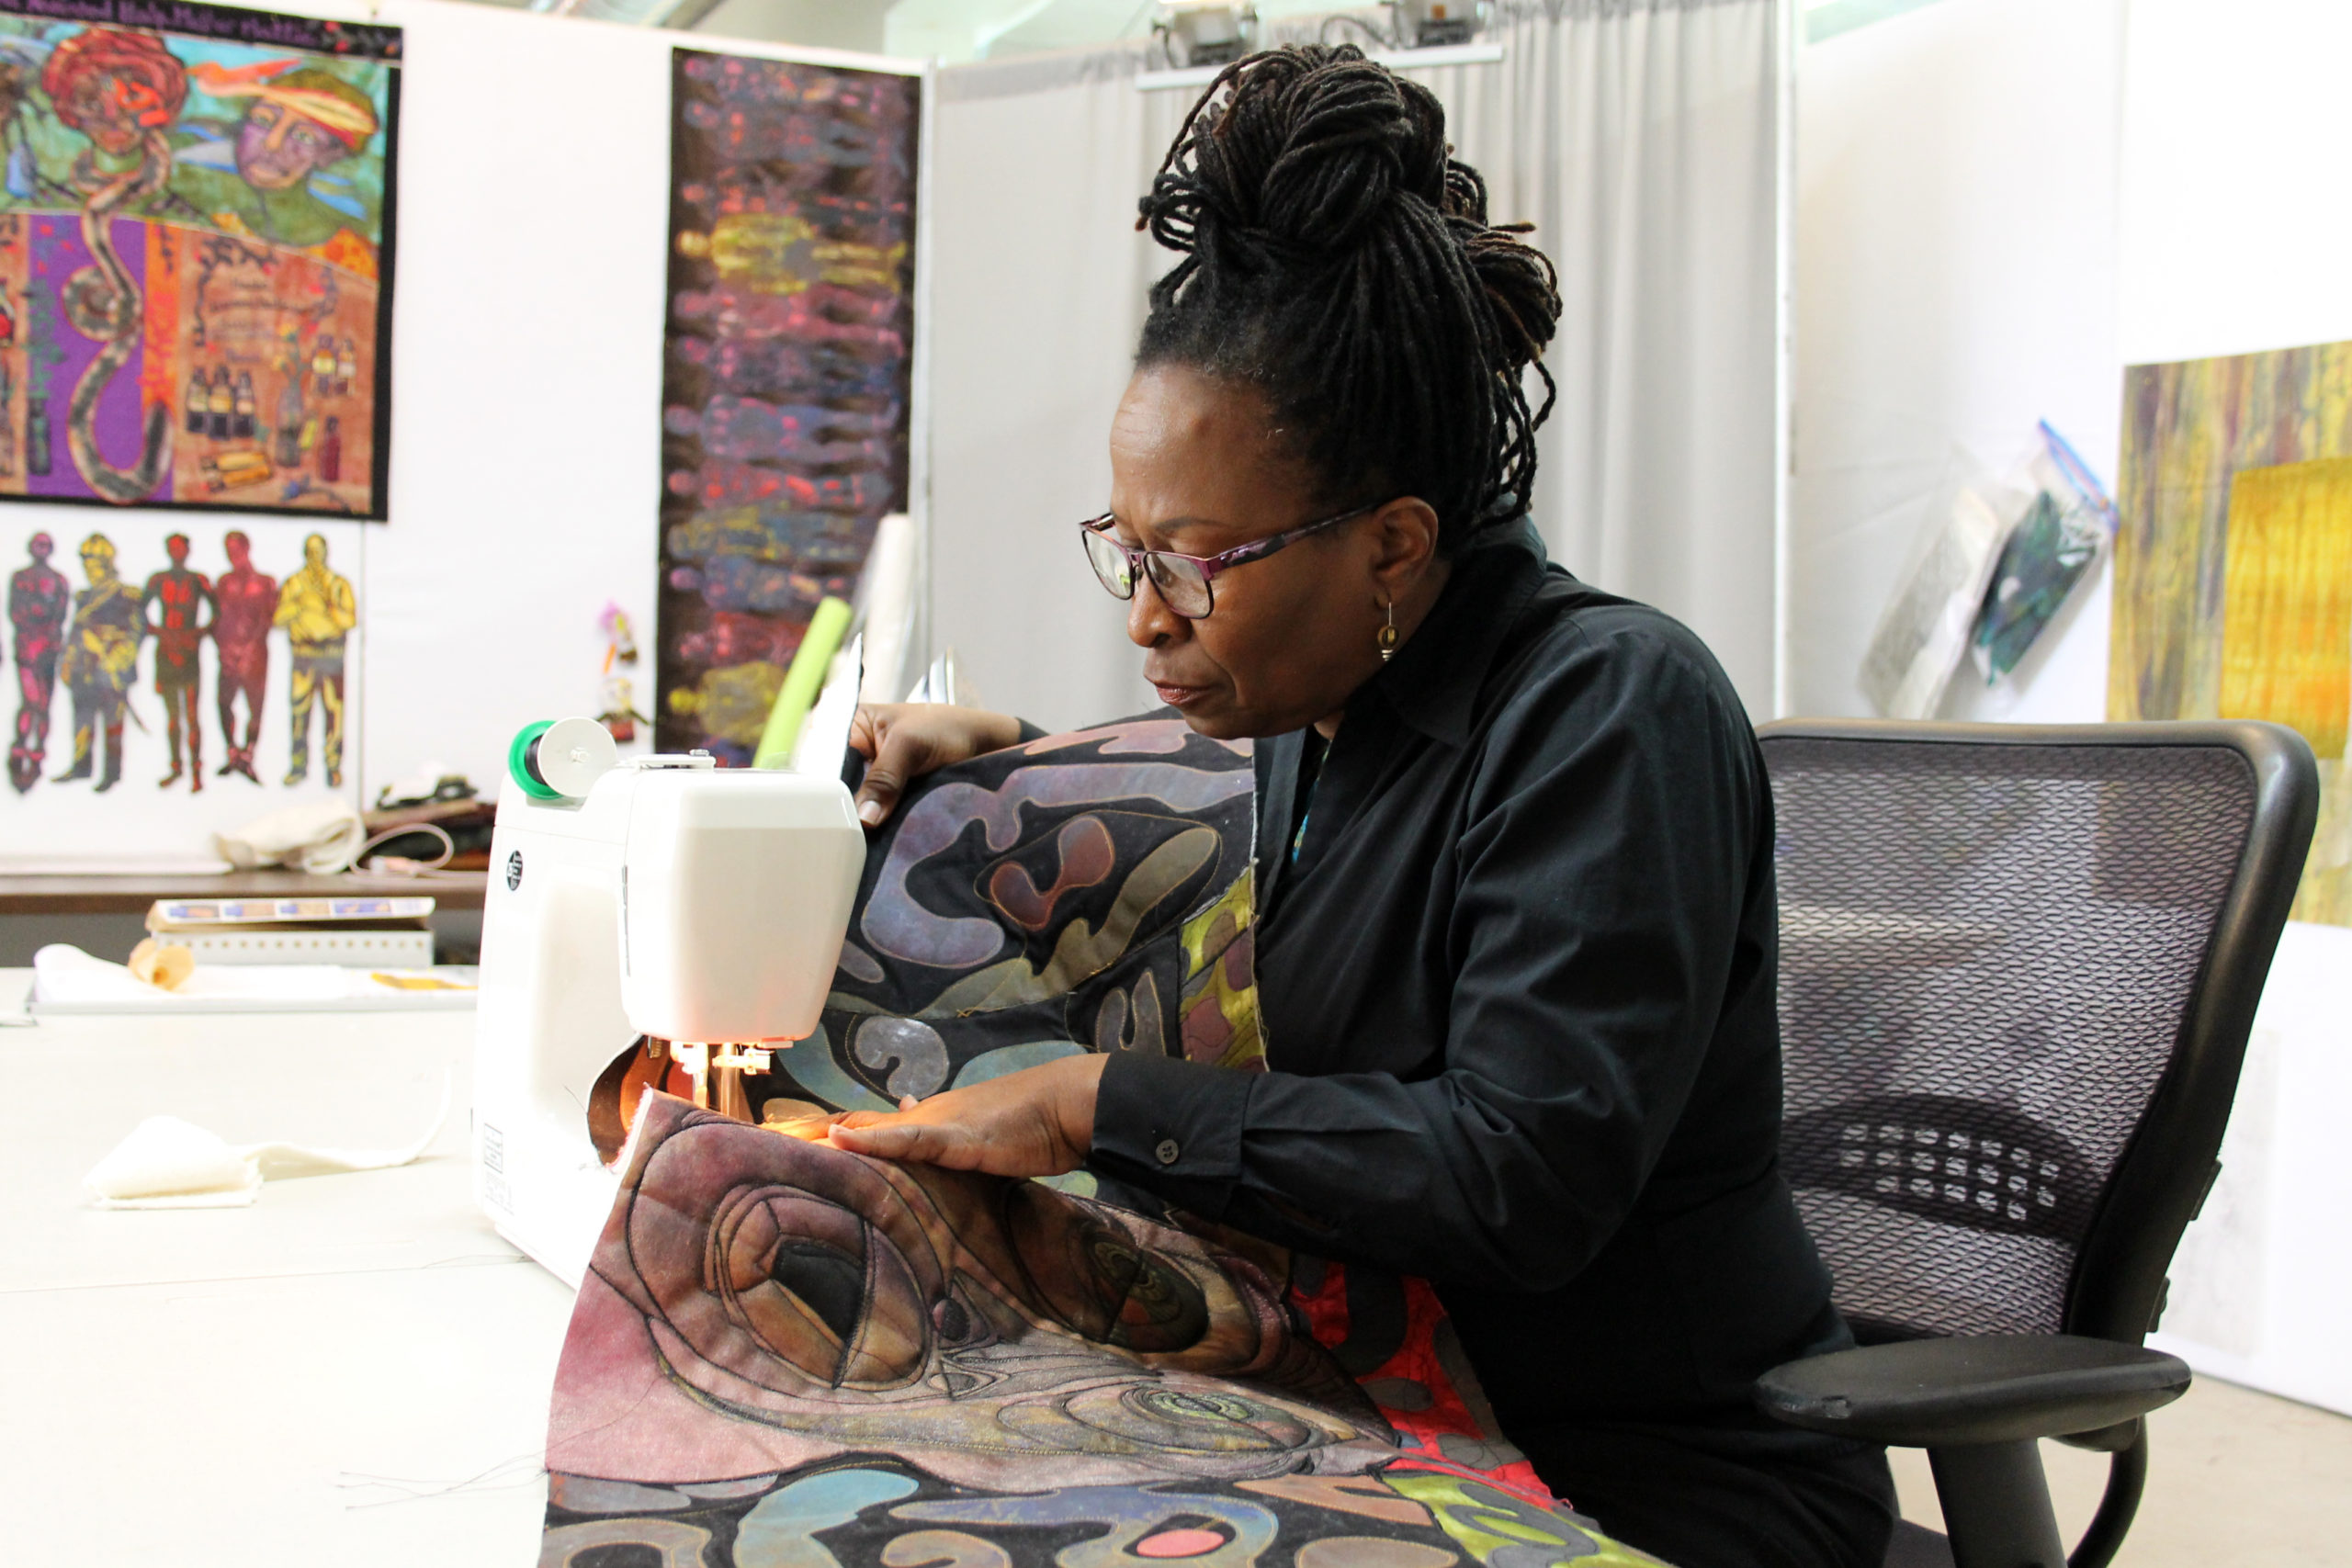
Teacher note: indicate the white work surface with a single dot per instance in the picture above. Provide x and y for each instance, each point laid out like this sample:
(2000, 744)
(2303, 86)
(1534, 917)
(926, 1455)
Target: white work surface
(352, 1371)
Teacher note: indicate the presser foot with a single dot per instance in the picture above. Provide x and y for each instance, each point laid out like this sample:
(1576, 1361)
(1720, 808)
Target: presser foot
(718, 1072)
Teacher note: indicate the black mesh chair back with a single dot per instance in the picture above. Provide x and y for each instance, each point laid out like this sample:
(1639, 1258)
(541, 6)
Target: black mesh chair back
(2017, 969)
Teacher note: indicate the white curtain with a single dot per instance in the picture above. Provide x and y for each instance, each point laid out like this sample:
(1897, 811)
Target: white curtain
(1637, 135)
(1036, 294)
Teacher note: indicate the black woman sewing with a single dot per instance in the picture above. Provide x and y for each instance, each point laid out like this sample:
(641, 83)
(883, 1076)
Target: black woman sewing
(1514, 855)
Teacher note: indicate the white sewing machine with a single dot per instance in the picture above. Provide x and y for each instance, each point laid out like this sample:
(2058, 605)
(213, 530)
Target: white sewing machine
(663, 901)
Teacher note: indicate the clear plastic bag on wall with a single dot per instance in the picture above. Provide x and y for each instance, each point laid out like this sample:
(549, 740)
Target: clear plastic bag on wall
(2050, 549)
(1924, 631)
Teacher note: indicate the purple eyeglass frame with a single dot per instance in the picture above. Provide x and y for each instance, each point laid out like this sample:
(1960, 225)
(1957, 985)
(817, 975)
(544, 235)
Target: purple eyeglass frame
(1240, 554)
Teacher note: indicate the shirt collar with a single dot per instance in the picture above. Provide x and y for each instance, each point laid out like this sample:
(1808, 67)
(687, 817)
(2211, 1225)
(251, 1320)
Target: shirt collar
(1434, 679)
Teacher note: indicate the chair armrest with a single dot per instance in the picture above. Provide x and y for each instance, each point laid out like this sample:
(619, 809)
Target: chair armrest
(1930, 1394)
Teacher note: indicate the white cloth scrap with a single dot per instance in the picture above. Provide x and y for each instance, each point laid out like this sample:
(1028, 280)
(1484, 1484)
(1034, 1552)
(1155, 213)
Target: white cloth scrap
(63, 973)
(170, 1164)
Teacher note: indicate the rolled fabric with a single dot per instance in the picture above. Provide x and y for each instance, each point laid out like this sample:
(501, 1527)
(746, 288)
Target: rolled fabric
(886, 597)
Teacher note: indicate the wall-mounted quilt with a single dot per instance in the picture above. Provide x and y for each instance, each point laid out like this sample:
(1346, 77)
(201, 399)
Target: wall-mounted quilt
(195, 257)
(2233, 566)
(785, 1356)
(785, 378)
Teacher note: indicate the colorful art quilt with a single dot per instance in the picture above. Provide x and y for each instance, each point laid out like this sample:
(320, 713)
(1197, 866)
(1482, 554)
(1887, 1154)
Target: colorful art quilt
(786, 374)
(2233, 565)
(1089, 891)
(195, 257)
(785, 1356)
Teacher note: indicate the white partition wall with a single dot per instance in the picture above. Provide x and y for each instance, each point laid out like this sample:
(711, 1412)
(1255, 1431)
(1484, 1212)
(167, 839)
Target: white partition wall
(1955, 282)
(2001, 204)
(526, 378)
(2228, 232)
(1036, 296)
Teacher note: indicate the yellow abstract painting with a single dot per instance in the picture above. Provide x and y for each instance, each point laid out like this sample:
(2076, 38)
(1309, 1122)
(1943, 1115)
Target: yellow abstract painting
(2287, 600)
(2233, 565)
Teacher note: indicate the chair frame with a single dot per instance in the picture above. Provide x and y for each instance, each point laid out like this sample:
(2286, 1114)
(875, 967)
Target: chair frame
(2117, 1291)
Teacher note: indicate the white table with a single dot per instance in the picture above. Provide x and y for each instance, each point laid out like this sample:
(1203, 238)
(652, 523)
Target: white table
(354, 1370)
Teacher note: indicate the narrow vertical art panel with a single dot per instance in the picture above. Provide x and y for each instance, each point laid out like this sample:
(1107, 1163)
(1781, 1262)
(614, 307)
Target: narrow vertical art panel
(196, 244)
(785, 371)
(2233, 565)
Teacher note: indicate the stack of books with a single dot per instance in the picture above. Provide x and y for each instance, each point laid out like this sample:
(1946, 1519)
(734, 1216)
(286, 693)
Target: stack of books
(355, 932)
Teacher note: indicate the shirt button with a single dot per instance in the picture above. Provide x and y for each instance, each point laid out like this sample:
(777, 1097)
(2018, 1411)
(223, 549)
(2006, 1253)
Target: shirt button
(1167, 1151)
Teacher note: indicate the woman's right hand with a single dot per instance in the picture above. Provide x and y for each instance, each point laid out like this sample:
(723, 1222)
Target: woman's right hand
(902, 741)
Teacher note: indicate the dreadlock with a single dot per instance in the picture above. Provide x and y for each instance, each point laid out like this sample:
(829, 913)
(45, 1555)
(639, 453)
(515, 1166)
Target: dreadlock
(1338, 259)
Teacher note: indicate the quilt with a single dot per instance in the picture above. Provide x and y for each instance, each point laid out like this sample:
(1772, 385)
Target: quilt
(787, 355)
(788, 1356)
(197, 223)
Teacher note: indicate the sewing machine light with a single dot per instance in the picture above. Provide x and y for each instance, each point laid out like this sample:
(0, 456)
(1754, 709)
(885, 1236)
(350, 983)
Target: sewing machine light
(717, 1069)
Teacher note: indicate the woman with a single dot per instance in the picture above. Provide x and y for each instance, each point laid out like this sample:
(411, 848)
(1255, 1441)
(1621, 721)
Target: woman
(1516, 949)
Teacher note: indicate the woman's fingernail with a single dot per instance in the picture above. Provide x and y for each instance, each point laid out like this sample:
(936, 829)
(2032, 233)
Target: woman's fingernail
(870, 813)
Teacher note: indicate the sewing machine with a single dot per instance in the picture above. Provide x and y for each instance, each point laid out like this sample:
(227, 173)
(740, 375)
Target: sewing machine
(664, 906)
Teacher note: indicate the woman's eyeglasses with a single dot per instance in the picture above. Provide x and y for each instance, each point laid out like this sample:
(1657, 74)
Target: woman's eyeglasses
(1183, 582)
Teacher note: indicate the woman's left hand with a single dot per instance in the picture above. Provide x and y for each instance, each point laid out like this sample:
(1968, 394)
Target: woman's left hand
(1037, 1122)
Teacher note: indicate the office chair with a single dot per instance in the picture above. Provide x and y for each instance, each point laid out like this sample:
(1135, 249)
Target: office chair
(2019, 964)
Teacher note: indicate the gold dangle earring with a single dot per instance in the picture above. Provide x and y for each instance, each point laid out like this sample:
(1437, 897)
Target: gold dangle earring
(1389, 635)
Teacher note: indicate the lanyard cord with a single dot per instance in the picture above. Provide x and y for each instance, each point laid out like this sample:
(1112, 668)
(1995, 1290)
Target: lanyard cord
(1310, 767)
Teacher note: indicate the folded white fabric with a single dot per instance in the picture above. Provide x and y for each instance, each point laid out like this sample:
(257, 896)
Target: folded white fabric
(170, 1164)
(317, 836)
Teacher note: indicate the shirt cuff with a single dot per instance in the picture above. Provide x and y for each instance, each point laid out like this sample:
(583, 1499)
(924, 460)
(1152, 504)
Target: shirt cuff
(1171, 1127)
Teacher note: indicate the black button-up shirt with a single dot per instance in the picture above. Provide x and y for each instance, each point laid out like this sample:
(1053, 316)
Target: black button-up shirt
(1518, 988)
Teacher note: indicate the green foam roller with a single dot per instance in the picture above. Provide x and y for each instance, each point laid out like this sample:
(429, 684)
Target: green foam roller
(802, 682)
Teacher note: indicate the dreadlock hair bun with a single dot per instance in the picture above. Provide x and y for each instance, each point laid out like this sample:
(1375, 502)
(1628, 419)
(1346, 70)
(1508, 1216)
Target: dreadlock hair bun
(1338, 258)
